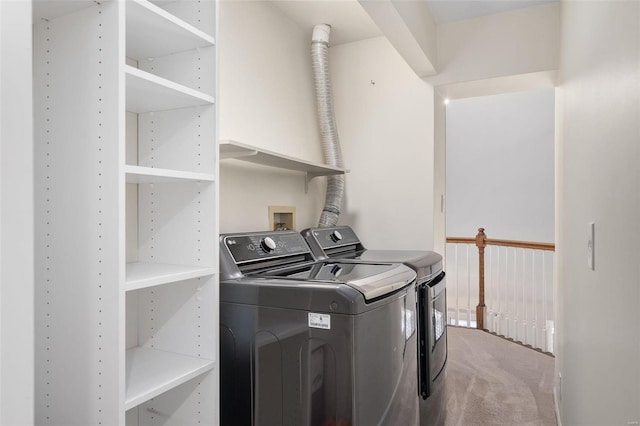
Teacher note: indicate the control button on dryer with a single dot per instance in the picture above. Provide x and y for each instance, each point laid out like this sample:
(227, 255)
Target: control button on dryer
(336, 236)
(336, 271)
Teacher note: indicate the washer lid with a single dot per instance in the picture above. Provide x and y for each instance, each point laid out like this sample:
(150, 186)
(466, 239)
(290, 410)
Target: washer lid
(373, 280)
(425, 263)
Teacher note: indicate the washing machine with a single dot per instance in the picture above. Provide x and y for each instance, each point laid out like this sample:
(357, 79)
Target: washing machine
(342, 243)
(308, 342)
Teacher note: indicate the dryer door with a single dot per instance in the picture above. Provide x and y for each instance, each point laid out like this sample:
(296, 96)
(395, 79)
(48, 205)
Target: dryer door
(432, 326)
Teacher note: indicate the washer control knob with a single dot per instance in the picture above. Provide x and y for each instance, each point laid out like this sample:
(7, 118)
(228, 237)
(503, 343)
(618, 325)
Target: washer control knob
(268, 245)
(336, 236)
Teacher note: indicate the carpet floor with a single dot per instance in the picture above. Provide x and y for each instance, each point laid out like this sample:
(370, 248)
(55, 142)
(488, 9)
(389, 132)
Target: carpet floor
(492, 381)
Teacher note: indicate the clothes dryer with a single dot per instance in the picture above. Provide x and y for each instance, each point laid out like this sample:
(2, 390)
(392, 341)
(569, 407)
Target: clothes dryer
(342, 243)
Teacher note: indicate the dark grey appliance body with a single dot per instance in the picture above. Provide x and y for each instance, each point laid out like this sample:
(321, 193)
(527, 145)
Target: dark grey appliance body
(342, 243)
(313, 343)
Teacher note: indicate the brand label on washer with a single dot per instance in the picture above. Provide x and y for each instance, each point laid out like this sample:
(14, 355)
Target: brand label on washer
(320, 321)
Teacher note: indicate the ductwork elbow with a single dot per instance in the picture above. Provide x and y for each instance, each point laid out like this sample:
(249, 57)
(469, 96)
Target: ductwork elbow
(321, 33)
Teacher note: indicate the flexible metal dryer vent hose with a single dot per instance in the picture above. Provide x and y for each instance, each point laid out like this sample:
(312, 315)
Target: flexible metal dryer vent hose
(326, 119)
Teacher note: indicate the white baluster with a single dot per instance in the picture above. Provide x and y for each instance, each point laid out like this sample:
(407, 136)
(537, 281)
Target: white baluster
(544, 301)
(507, 315)
(525, 338)
(499, 316)
(535, 313)
(514, 321)
(457, 287)
(490, 297)
(468, 288)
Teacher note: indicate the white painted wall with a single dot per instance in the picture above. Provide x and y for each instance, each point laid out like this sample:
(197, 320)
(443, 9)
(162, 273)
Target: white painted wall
(386, 130)
(516, 42)
(599, 336)
(508, 52)
(410, 29)
(439, 174)
(266, 99)
(500, 166)
(16, 215)
(418, 19)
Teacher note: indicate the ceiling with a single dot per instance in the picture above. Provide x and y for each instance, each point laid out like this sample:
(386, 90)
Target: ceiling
(348, 19)
(350, 22)
(444, 11)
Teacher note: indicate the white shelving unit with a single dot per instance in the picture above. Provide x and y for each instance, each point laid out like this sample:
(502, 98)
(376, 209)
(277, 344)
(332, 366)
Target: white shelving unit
(230, 149)
(126, 213)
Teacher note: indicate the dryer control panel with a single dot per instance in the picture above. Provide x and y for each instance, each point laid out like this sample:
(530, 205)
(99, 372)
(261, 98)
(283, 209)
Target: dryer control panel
(337, 236)
(335, 241)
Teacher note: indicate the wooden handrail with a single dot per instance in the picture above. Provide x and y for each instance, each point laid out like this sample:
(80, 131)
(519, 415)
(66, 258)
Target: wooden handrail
(505, 243)
(481, 241)
(461, 240)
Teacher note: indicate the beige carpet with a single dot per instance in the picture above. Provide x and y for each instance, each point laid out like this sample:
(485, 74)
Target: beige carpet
(492, 381)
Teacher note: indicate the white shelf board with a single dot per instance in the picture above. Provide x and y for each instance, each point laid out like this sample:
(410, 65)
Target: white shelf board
(138, 174)
(52, 9)
(153, 32)
(143, 275)
(147, 92)
(245, 152)
(151, 372)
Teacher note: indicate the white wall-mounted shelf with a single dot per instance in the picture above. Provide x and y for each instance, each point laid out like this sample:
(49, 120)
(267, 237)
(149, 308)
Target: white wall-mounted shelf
(151, 372)
(139, 174)
(241, 151)
(153, 32)
(142, 274)
(147, 93)
(230, 149)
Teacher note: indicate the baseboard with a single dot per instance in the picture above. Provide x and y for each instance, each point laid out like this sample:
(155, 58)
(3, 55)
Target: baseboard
(556, 406)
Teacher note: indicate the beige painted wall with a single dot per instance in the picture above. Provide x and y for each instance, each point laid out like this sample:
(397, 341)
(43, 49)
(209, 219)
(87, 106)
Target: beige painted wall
(517, 42)
(500, 166)
(266, 99)
(384, 114)
(507, 52)
(598, 339)
(387, 129)
(439, 174)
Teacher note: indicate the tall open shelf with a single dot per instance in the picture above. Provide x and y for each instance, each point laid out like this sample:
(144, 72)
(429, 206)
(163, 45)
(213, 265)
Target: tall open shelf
(126, 212)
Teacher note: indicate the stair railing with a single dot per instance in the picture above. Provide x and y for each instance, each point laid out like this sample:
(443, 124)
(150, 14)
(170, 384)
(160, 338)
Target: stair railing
(514, 289)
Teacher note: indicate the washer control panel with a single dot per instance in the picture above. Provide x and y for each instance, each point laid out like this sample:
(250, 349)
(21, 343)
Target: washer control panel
(265, 245)
(268, 244)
